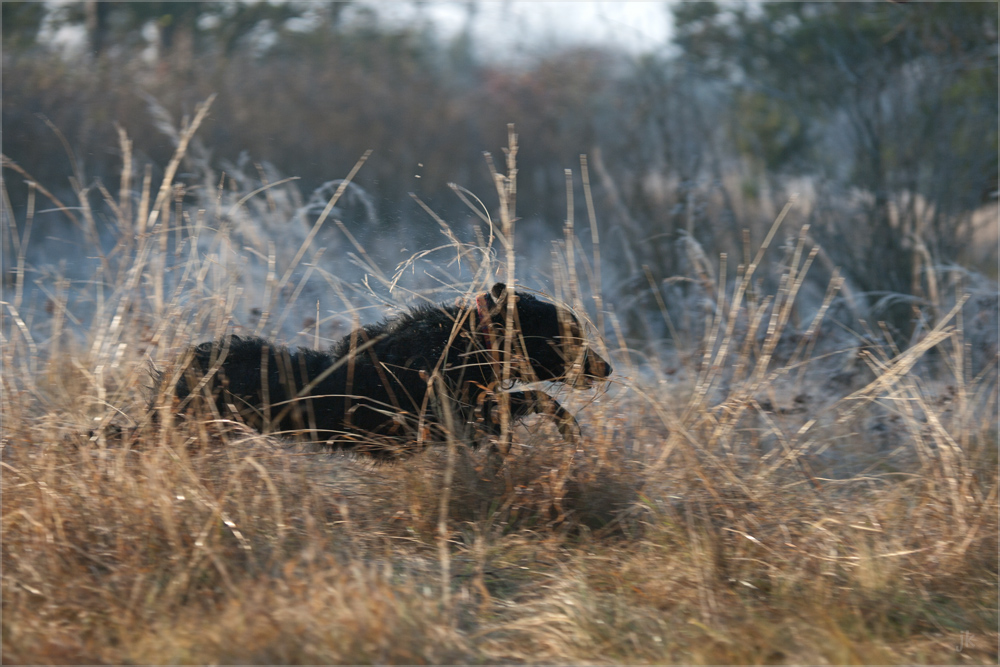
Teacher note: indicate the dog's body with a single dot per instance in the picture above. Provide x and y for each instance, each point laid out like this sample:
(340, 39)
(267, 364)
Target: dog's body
(413, 378)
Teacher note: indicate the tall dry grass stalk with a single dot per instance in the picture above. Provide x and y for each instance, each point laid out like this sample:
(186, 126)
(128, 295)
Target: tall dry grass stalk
(743, 512)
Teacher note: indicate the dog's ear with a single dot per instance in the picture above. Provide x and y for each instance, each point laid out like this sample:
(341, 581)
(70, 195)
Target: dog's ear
(500, 296)
(498, 299)
(492, 303)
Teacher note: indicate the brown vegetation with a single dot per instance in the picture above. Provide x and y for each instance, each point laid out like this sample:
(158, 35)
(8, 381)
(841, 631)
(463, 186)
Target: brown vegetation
(724, 507)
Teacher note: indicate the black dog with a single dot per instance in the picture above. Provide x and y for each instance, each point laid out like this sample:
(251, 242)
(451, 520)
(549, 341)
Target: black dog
(413, 378)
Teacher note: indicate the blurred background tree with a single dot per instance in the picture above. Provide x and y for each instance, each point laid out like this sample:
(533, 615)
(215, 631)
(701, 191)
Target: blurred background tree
(874, 98)
(884, 117)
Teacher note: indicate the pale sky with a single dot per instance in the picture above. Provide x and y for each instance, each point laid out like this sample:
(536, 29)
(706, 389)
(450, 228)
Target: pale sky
(507, 25)
(508, 30)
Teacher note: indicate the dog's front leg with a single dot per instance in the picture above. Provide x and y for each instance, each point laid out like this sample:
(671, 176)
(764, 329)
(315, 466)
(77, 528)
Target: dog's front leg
(523, 403)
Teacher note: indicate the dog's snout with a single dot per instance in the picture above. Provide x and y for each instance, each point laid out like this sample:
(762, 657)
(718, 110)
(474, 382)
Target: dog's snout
(596, 366)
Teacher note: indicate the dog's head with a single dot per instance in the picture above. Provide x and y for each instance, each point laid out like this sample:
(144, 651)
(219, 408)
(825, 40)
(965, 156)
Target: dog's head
(548, 337)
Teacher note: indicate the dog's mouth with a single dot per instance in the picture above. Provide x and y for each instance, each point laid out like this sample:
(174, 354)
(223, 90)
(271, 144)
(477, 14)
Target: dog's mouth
(579, 380)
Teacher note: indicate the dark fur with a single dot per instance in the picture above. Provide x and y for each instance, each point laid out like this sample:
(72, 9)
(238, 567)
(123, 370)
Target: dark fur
(408, 379)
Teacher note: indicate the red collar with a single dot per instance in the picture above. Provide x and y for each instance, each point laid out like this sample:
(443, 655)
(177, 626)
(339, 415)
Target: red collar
(483, 305)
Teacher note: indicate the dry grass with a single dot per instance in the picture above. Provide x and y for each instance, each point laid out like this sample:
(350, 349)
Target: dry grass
(711, 516)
